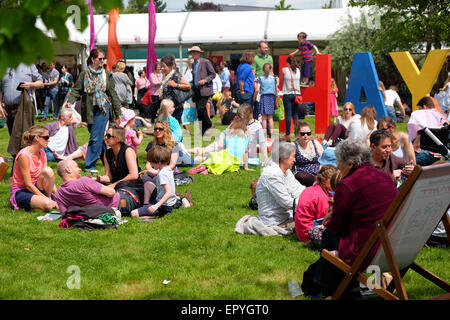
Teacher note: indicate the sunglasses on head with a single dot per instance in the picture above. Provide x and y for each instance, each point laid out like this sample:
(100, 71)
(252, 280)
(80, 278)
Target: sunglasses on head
(158, 129)
(45, 137)
(108, 136)
(305, 133)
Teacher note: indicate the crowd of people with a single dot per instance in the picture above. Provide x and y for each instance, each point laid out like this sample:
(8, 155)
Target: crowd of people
(307, 186)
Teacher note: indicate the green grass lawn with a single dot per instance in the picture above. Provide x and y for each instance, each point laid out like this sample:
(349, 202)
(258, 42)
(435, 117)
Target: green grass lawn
(195, 248)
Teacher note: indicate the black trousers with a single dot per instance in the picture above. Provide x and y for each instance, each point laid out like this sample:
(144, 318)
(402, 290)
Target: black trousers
(200, 102)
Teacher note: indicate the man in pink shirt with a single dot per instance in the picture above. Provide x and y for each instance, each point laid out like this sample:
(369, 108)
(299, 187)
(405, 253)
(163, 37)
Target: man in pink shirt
(82, 191)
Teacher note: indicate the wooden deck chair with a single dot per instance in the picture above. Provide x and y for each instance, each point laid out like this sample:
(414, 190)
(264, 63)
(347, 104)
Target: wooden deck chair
(420, 204)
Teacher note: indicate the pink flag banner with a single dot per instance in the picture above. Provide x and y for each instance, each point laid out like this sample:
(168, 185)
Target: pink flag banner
(91, 13)
(151, 54)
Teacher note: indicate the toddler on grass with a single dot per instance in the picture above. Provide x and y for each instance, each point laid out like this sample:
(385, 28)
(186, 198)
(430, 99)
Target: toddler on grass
(159, 192)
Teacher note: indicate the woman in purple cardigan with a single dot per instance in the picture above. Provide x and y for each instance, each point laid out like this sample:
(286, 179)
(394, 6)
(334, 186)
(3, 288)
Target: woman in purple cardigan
(62, 136)
(361, 197)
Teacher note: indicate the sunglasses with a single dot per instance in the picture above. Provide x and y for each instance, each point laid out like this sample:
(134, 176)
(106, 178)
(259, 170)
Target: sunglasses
(108, 136)
(45, 137)
(158, 129)
(305, 133)
(101, 59)
(347, 109)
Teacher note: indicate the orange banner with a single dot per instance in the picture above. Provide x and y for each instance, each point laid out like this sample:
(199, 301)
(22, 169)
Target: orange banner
(114, 53)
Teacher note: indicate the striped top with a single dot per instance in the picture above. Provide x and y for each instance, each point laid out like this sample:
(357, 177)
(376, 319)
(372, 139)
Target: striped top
(306, 50)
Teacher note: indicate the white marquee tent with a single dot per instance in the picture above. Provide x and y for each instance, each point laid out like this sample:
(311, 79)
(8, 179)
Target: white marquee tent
(186, 28)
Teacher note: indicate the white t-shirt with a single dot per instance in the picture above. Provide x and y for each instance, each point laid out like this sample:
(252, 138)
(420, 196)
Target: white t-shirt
(165, 176)
(287, 81)
(358, 131)
(391, 97)
(58, 142)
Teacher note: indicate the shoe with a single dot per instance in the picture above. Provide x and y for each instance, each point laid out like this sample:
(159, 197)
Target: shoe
(205, 171)
(185, 203)
(188, 197)
(198, 169)
(286, 136)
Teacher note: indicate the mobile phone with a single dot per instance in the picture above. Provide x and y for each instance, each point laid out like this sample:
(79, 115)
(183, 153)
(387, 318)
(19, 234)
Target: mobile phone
(19, 88)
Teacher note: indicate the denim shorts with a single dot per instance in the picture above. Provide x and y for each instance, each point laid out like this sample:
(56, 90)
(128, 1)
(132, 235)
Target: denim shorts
(23, 198)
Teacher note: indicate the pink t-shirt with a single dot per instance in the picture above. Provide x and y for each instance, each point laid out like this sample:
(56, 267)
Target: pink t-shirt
(35, 166)
(312, 205)
(131, 139)
(156, 80)
(83, 192)
(141, 83)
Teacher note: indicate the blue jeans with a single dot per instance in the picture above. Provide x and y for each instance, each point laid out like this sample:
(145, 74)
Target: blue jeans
(391, 113)
(246, 97)
(96, 139)
(53, 95)
(49, 154)
(290, 107)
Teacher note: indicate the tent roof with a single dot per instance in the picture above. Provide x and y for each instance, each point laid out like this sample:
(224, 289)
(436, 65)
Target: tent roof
(222, 27)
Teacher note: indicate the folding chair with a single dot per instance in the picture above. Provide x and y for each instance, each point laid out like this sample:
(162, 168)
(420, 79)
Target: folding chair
(420, 204)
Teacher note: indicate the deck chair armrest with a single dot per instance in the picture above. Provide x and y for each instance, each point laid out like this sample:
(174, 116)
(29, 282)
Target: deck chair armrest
(330, 257)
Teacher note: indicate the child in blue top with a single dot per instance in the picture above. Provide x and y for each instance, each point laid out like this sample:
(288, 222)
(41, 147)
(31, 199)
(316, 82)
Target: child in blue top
(305, 48)
(266, 86)
(167, 109)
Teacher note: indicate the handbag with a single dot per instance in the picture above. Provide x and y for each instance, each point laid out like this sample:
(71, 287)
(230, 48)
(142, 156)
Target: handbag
(179, 96)
(298, 98)
(278, 114)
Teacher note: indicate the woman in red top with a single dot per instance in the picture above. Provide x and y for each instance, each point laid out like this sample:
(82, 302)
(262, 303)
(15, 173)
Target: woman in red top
(362, 197)
(33, 182)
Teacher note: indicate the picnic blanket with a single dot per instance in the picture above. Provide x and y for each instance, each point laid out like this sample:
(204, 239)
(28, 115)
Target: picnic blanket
(249, 224)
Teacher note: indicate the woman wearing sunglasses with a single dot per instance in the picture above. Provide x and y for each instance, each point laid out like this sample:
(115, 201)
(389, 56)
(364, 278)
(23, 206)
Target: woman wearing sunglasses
(307, 153)
(178, 154)
(338, 132)
(33, 183)
(120, 159)
(100, 103)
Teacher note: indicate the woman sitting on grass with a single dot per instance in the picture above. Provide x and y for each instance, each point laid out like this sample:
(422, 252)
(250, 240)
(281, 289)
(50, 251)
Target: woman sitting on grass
(339, 131)
(307, 154)
(276, 202)
(33, 182)
(163, 137)
(235, 150)
(401, 146)
(120, 159)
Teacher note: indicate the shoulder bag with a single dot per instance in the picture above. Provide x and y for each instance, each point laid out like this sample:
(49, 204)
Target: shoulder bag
(298, 98)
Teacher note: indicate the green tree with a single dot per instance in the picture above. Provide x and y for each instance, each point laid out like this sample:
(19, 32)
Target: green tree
(141, 6)
(411, 23)
(160, 6)
(190, 5)
(328, 5)
(283, 6)
(360, 35)
(24, 43)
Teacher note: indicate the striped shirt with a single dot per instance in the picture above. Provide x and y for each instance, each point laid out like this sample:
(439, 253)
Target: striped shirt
(306, 50)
